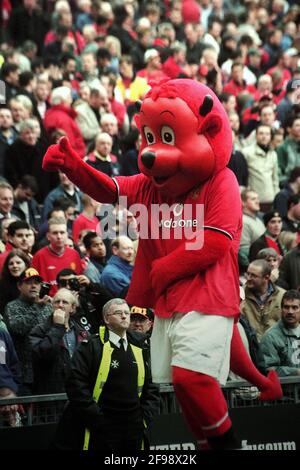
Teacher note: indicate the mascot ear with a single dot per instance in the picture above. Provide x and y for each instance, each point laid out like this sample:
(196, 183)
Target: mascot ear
(211, 126)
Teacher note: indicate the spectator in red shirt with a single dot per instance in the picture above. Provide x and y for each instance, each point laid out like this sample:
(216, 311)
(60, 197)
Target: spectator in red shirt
(153, 69)
(237, 84)
(175, 65)
(56, 256)
(87, 220)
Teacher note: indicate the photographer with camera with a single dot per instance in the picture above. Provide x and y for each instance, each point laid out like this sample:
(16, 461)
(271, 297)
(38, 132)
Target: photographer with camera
(91, 298)
(53, 343)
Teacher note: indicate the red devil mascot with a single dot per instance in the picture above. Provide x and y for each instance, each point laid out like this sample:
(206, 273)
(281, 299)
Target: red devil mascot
(186, 265)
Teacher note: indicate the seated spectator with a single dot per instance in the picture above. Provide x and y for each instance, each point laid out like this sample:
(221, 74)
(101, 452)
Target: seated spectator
(269, 239)
(279, 346)
(21, 315)
(116, 275)
(262, 298)
(95, 256)
(91, 297)
(53, 343)
(153, 68)
(57, 256)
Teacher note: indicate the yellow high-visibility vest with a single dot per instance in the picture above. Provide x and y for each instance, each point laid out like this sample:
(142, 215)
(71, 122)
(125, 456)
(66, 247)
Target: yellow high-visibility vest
(104, 371)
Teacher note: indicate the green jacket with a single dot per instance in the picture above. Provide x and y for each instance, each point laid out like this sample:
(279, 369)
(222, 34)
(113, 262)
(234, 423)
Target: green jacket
(279, 349)
(288, 157)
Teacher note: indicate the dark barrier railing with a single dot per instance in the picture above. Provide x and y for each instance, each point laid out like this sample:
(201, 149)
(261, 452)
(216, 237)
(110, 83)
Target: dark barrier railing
(42, 409)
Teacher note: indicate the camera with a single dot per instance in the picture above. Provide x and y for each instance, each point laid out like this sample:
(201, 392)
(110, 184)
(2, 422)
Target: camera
(74, 284)
(45, 289)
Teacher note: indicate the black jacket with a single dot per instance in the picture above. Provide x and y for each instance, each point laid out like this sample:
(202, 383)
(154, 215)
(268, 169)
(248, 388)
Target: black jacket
(51, 358)
(82, 410)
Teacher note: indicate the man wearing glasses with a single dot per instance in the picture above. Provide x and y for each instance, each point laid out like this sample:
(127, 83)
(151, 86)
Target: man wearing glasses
(262, 304)
(110, 388)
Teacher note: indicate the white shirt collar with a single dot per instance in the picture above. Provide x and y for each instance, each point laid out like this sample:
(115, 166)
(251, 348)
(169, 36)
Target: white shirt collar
(114, 338)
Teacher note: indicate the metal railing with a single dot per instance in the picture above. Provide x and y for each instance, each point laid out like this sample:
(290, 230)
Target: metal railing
(46, 409)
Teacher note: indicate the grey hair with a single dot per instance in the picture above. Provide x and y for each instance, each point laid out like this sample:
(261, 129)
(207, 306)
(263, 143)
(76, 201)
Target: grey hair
(107, 307)
(27, 124)
(68, 294)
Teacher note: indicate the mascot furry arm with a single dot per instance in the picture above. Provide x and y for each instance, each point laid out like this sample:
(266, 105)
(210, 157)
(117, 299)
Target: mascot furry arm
(186, 145)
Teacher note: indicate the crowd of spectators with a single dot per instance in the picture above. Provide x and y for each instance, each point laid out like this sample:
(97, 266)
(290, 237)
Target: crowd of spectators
(77, 68)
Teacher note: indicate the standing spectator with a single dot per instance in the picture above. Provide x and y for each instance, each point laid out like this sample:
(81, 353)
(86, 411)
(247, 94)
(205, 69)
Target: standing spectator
(9, 377)
(7, 134)
(289, 152)
(270, 239)
(279, 346)
(25, 206)
(6, 200)
(116, 275)
(114, 416)
(96, 254)
(87, 219)
(53, 343)
(291, 222)
(65, 189)
(18, 235)
(15, 264)
(24, 157)
(263, 167)
(262, 301)
(10, 75)
(21, 316)
(62, 116)
(141, 319)
(28, 22)
(91, 298)
(57, 256)
(291, 188)
(253, 226)
(101, 158)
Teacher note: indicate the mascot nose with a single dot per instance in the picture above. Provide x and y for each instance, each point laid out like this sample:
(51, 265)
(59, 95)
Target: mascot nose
(148, 159)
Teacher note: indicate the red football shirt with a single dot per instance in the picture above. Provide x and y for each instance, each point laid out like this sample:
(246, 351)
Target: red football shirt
(82, 222)
(213, 291)
(48, 264)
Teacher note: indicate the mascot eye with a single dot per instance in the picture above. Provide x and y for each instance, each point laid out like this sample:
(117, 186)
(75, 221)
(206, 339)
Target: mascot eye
(167, 135)
(150, 137)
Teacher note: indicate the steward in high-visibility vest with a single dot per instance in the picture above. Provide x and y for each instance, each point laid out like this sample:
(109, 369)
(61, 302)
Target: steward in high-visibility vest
(111, 393)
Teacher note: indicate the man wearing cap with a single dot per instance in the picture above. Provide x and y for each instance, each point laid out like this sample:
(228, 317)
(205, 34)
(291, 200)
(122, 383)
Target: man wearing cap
(273, 224)
(21, 315)
(141, 319)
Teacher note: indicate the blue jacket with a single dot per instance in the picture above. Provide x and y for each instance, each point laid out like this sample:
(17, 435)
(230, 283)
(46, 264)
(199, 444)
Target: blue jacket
(9, 363)
(116, 275)
(57, 193)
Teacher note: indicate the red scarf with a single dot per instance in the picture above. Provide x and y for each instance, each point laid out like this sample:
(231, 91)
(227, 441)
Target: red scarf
(272, 244)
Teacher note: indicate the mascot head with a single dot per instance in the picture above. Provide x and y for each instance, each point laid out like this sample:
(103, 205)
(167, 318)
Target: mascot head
(186, 136)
